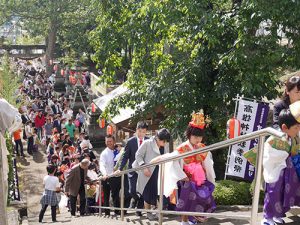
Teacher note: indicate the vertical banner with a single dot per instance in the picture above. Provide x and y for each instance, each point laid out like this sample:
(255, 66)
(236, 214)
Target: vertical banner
(252, 116)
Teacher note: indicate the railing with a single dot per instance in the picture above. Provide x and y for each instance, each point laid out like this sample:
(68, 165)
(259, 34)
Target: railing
(261, 134)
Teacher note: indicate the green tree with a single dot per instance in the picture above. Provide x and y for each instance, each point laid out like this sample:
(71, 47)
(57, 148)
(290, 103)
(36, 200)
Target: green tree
(187, 55)
(8, 81)
(49, 18)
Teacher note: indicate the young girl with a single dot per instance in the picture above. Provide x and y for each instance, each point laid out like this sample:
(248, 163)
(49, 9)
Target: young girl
(282, 189)
(52, 186)
(195, 174)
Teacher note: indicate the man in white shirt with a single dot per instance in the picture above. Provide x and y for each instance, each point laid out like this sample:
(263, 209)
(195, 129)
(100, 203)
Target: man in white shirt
(112, 184)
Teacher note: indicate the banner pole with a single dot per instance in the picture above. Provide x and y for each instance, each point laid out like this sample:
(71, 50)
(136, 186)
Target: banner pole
(229, 150)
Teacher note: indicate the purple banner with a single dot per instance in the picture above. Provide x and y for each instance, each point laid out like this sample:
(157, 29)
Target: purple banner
(260, 123)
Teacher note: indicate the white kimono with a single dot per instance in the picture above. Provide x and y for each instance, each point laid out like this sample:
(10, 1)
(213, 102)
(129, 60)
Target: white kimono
(10, 120)
(274, 160)
(174, 171)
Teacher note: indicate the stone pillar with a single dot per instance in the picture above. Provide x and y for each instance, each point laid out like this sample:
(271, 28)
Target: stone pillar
(96, 134)
(59, 85)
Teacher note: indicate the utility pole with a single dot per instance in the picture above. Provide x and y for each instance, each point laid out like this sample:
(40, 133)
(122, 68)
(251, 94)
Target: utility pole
(3, 189)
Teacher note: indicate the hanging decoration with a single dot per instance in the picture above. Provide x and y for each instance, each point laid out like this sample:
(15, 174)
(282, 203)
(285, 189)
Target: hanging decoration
(109, 130)
(101, 123)
(62, 72)
(93, 107)
(72, 79)
(233, 128)
(55, 67)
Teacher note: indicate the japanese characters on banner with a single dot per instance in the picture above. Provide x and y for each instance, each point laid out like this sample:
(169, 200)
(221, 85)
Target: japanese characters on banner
(252, 116)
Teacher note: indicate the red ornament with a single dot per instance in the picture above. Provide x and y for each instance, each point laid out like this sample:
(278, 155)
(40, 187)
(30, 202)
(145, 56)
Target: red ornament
(233, 128)
(93, 107)
(72, 80)
(109, 130)
(82, 81)
(62, 72)
(55, 67)
(101, 123)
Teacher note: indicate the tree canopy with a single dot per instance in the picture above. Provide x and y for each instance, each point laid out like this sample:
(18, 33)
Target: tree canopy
(62, 22)
(187, 55)
(180, 56)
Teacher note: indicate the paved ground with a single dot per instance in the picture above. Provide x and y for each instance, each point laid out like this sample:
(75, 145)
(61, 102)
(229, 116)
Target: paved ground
(32, 173)
(66, 219)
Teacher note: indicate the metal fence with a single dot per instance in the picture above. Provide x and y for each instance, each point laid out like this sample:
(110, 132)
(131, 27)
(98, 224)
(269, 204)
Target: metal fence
(261, 134)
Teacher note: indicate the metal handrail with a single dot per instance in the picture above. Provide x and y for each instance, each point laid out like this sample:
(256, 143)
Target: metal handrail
(261, 134)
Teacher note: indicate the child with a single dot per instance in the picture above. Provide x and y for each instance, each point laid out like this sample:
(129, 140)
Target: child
(282, 189)
(195, 174)
(52, 186)
(18, 142)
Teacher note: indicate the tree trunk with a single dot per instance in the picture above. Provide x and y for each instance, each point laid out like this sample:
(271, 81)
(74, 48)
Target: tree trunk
(50, 43)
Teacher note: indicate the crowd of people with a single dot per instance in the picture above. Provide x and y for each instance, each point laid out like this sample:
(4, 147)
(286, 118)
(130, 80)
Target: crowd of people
(74, 169)
(50, 124)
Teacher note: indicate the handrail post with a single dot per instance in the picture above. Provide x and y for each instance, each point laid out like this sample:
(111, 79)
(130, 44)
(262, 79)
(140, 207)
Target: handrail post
(122, 197)
(161, 193)
(258, 175)
(100, 197)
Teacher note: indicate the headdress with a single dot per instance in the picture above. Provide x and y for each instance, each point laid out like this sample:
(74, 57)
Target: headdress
(199, 120)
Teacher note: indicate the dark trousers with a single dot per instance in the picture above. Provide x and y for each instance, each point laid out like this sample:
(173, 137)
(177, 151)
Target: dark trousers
(113, 186)
(19, 143)
(43, 210)
(73, 200)
(137, 198)
(127, 195)
(30, 145)
(80, 127)
(39, 132)
(91, 202)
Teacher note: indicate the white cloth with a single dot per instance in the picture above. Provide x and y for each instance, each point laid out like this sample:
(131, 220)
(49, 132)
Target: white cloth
(106, 162)
(4, 157)
(10, 118)
(92, 175)
(51, 183)
(274, 161)
(66, 116)
(174, 171)
(28, 131)
(86, 144)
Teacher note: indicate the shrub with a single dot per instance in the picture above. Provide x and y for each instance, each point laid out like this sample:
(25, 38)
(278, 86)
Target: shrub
(228, 192)
(261, 195)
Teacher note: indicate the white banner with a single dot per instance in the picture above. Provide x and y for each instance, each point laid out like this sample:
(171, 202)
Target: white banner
(252, 116)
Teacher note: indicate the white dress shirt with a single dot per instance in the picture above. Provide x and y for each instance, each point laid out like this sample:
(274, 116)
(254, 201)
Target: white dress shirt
(106, 162)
